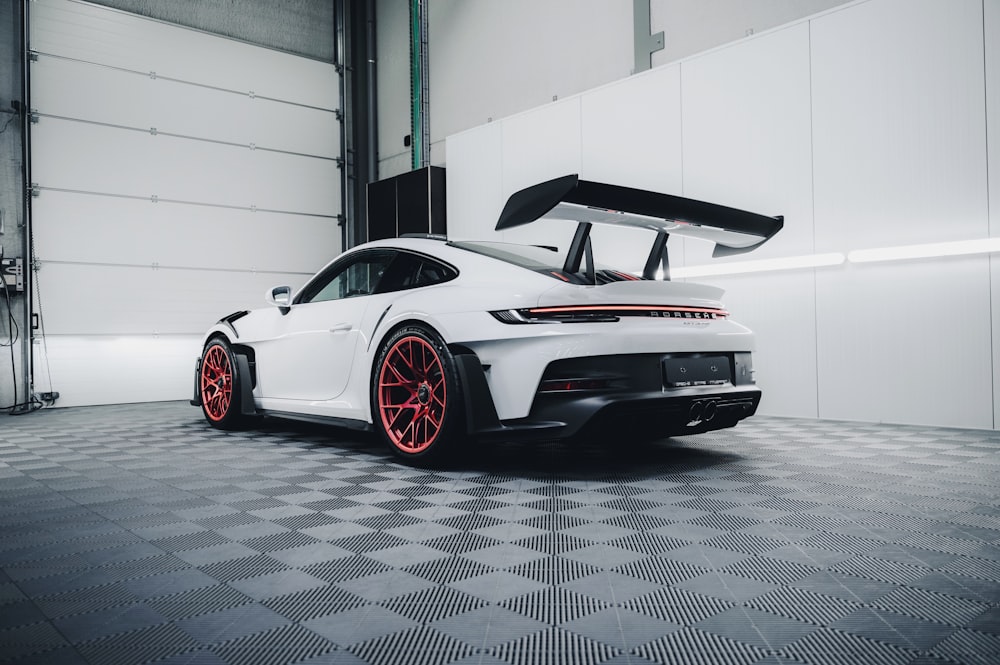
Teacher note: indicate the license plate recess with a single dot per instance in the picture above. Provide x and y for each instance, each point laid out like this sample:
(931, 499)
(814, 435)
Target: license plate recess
(696, 371)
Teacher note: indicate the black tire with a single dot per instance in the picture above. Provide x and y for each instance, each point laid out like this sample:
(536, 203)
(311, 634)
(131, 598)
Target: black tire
(219, 386)
(416, 398)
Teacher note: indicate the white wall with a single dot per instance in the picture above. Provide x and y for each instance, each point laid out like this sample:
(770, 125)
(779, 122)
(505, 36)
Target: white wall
(490, 58)
(991, 17)
(865, 126)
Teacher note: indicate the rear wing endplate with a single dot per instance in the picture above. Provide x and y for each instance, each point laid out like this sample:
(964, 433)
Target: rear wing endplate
(733, 231)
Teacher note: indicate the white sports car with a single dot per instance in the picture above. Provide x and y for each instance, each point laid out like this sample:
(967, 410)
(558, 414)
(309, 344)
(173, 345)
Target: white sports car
(434, 342)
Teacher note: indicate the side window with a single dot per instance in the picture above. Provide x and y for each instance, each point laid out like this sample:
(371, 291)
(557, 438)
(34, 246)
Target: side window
(408, 271)
(359, 277)
(432, 272)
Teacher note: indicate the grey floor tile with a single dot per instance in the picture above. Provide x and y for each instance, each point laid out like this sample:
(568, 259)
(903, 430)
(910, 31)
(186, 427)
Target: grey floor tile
(488, 626)
(358, 625)
(141, 534)
(761, 629)
(728, 587)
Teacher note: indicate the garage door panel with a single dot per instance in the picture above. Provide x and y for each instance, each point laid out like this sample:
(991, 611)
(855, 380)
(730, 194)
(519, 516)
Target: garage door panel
(116, 230)
(82, 91)
(179, 175)
(117, 369)
(94, 158)
(119, 300)
(118, 39)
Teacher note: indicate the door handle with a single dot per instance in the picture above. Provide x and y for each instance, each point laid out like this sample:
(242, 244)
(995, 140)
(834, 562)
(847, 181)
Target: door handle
(340, 327)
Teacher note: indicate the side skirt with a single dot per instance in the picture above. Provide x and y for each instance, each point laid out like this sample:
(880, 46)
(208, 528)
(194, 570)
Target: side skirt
(346, 423)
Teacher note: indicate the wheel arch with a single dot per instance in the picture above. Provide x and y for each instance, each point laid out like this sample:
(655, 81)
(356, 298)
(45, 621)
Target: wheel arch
(237, 349)
(480, 410)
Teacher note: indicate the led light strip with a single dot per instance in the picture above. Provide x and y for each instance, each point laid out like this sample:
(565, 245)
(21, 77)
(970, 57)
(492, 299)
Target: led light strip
(927, 251)
(570, 309)
(761, 265)
(898, 253)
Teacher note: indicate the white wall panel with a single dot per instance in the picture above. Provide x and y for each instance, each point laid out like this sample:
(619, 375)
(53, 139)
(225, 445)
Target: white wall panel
(991, 32)
(94, 158)
(747, 135)
(747, 145)
(83, 91)
(122, 300)
(140, 232)
(899, 135)
(118, 369)
(538, 146)
(475, 193)
(631, 132)
(779, 308)
(898, 127)
(906, 342)
(117, 39)
(631, 136)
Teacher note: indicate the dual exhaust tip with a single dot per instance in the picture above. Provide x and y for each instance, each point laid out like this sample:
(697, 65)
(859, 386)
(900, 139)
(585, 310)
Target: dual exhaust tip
(702, 410)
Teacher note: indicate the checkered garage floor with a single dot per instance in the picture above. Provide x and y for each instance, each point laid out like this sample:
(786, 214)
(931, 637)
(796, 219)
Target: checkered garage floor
(135, 534)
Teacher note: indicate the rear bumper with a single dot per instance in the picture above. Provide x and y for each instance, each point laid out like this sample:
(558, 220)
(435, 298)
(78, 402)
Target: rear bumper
(642, 408)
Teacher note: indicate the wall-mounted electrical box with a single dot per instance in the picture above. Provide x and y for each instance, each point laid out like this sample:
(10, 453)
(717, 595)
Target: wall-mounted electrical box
(12, 271)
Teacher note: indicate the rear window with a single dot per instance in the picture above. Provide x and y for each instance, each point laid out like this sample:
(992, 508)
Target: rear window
(543, 260)
(526, 256)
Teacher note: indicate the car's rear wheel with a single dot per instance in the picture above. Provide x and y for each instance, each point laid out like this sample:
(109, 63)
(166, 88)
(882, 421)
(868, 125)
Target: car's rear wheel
(219, 386)
(416, 401)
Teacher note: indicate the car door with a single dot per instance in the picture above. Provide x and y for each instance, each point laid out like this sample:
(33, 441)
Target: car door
(308, 351)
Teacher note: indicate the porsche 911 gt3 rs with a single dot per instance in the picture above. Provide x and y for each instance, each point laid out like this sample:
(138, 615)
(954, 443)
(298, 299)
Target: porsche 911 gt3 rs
(432, 342)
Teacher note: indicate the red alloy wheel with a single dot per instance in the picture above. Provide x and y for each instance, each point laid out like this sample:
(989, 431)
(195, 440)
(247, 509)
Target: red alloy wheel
(216, 382)
(412, 394)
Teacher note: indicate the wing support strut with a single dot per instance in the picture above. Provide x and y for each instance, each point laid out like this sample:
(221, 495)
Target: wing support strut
(658, 258)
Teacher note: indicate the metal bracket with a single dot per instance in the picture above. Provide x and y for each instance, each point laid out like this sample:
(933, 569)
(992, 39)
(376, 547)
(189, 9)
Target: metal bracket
(339, 115)
(34, 190)
(33, 56)
(33, 116)
(645, 44)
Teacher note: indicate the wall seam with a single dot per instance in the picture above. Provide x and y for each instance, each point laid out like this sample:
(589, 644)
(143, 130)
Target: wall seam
(989, 216)
(812, 206)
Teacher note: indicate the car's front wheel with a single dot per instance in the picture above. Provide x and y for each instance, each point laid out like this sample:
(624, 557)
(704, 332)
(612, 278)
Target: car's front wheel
(416, 400)
(218, 386)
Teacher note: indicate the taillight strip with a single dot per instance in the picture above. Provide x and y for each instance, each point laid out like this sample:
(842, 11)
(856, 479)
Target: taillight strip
(570, 309)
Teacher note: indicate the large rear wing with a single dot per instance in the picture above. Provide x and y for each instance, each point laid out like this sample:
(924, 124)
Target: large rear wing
(733, 231)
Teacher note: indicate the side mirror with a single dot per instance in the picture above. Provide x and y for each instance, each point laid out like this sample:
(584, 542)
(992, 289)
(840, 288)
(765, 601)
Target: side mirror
(280, 297)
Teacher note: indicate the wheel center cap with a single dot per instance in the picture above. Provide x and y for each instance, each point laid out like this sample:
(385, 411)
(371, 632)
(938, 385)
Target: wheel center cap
(424, 393)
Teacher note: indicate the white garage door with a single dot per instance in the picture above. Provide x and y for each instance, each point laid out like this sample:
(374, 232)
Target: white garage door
(177, 176)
